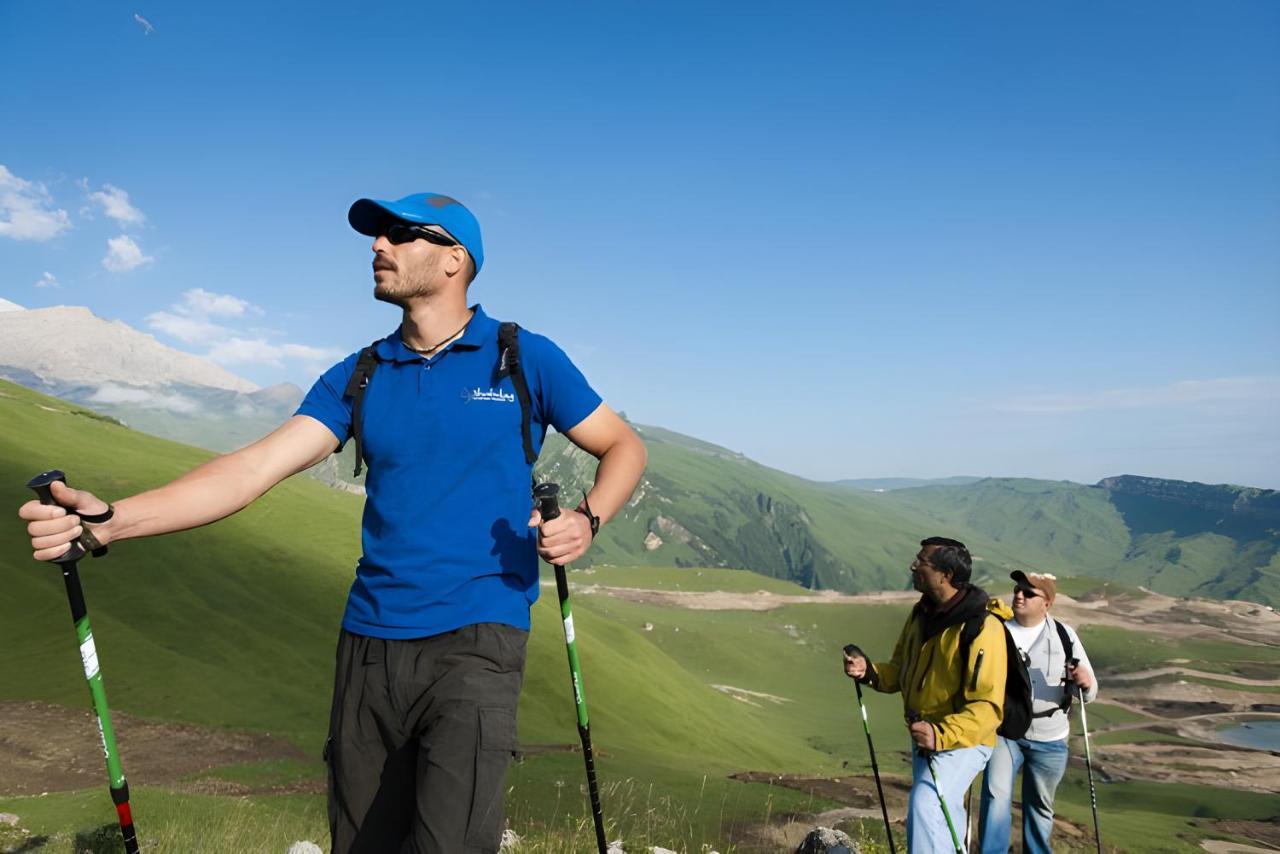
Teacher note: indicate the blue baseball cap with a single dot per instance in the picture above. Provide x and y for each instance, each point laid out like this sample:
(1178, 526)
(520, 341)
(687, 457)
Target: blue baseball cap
(369, 216)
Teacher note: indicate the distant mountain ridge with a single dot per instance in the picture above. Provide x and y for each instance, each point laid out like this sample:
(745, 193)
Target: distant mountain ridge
(1224, 507)
(71, 353)
(885, 484)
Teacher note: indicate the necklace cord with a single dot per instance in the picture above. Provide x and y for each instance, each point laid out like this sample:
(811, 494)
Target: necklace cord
(442, 342)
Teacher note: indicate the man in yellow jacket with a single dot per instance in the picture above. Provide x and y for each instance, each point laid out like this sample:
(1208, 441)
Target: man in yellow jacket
(953, 697)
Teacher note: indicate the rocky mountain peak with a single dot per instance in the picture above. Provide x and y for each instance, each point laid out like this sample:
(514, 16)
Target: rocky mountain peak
(72, 345)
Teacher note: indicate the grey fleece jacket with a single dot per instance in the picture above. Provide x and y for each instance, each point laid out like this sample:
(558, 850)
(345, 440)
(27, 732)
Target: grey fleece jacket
(1048, 667)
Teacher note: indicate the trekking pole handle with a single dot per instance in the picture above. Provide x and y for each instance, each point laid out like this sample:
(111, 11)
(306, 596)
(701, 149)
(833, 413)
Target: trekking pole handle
(1073, 663)
(547, 496)
(42, 484)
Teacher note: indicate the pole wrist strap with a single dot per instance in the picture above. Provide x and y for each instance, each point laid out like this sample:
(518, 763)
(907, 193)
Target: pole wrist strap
(87, 539)
(585, 509)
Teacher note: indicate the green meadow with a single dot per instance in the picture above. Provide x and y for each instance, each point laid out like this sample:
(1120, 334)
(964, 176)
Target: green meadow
(232, 627)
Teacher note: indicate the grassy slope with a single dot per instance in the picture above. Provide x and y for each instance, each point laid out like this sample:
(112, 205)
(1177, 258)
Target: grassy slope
(233, 626)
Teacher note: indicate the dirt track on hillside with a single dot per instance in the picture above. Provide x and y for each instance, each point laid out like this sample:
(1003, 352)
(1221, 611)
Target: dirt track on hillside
(720, 600)
(1231, 621)
(47, 748)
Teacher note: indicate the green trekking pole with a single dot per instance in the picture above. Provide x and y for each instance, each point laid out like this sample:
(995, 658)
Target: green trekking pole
(852, 650)
(42, 484)
(946, 813)
(546, 495)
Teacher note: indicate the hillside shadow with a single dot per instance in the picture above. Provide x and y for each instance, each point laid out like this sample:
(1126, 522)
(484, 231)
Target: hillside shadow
(1144, 514)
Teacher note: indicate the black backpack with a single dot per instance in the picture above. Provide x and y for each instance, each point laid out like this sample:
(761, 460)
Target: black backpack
(508, 365)
(1018, 712)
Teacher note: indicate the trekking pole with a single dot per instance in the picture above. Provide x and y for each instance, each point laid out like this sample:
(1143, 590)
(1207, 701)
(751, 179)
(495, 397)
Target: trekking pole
(946, 813)
(852, 650)
(1088, 765)
(42, 484)
(546, 495)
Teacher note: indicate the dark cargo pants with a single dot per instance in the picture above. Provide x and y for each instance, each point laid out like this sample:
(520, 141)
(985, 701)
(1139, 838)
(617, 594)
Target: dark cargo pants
(420, 735)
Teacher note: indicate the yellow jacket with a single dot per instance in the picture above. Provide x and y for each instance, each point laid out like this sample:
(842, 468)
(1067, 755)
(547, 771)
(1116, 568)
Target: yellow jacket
(963, 700)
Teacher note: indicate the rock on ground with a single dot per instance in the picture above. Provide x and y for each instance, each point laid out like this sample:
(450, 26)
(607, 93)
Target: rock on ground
(8, 819)
(510, 841)
(824, 840)
(304, 847)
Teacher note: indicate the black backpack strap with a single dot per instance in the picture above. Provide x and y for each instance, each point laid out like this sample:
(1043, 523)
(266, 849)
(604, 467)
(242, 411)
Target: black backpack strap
(972, 628)
(366, 364)
(509, 366)
(1068, 648)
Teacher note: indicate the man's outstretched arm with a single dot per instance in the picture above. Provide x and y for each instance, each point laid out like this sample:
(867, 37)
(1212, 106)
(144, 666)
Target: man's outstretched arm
(210, 492)
(622, 456)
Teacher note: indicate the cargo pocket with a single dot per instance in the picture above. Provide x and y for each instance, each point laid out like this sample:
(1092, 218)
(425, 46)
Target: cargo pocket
(494, 748)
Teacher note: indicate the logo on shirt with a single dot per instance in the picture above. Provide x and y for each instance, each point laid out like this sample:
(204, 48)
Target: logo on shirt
(491, 394)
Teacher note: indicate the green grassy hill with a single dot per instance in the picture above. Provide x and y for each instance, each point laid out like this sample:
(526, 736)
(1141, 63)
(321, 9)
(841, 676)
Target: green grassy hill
(702, 505)
(233, 626)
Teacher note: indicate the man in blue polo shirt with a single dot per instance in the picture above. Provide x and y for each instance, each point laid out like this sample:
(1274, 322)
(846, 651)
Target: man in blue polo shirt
(431, 652)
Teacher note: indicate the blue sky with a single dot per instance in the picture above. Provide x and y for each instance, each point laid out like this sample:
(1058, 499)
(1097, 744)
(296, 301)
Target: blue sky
(846, 239)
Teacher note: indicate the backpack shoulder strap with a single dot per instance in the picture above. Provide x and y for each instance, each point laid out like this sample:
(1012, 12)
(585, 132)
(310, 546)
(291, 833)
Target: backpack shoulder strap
(972, 628)
(1068, 647)
(366, 364)
(509, 365)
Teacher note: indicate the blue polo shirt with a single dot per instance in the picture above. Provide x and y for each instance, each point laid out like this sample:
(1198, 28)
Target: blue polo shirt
(445, 532)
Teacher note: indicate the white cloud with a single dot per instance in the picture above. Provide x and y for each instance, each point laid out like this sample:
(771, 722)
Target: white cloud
(123, 255)
(237, 350)
(27, 211)
(192, 321)
(306, 353)
(112, 393)
(189, 321)
(115, 204)
(48, 280)
(185, 328)
(202, 302)
(1182, 393)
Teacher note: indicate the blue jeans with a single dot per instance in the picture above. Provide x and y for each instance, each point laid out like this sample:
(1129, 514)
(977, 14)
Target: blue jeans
(1043, 763)
(926, 826)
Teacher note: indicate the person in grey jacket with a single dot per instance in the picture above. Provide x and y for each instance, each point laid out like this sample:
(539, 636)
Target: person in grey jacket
(1060, 672)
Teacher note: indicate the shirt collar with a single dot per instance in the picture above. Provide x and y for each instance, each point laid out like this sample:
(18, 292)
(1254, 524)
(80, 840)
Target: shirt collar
(481, 329)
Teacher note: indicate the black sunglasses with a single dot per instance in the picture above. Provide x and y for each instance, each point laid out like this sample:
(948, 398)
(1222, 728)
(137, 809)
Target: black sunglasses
(1027, 592)
(400, 232)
